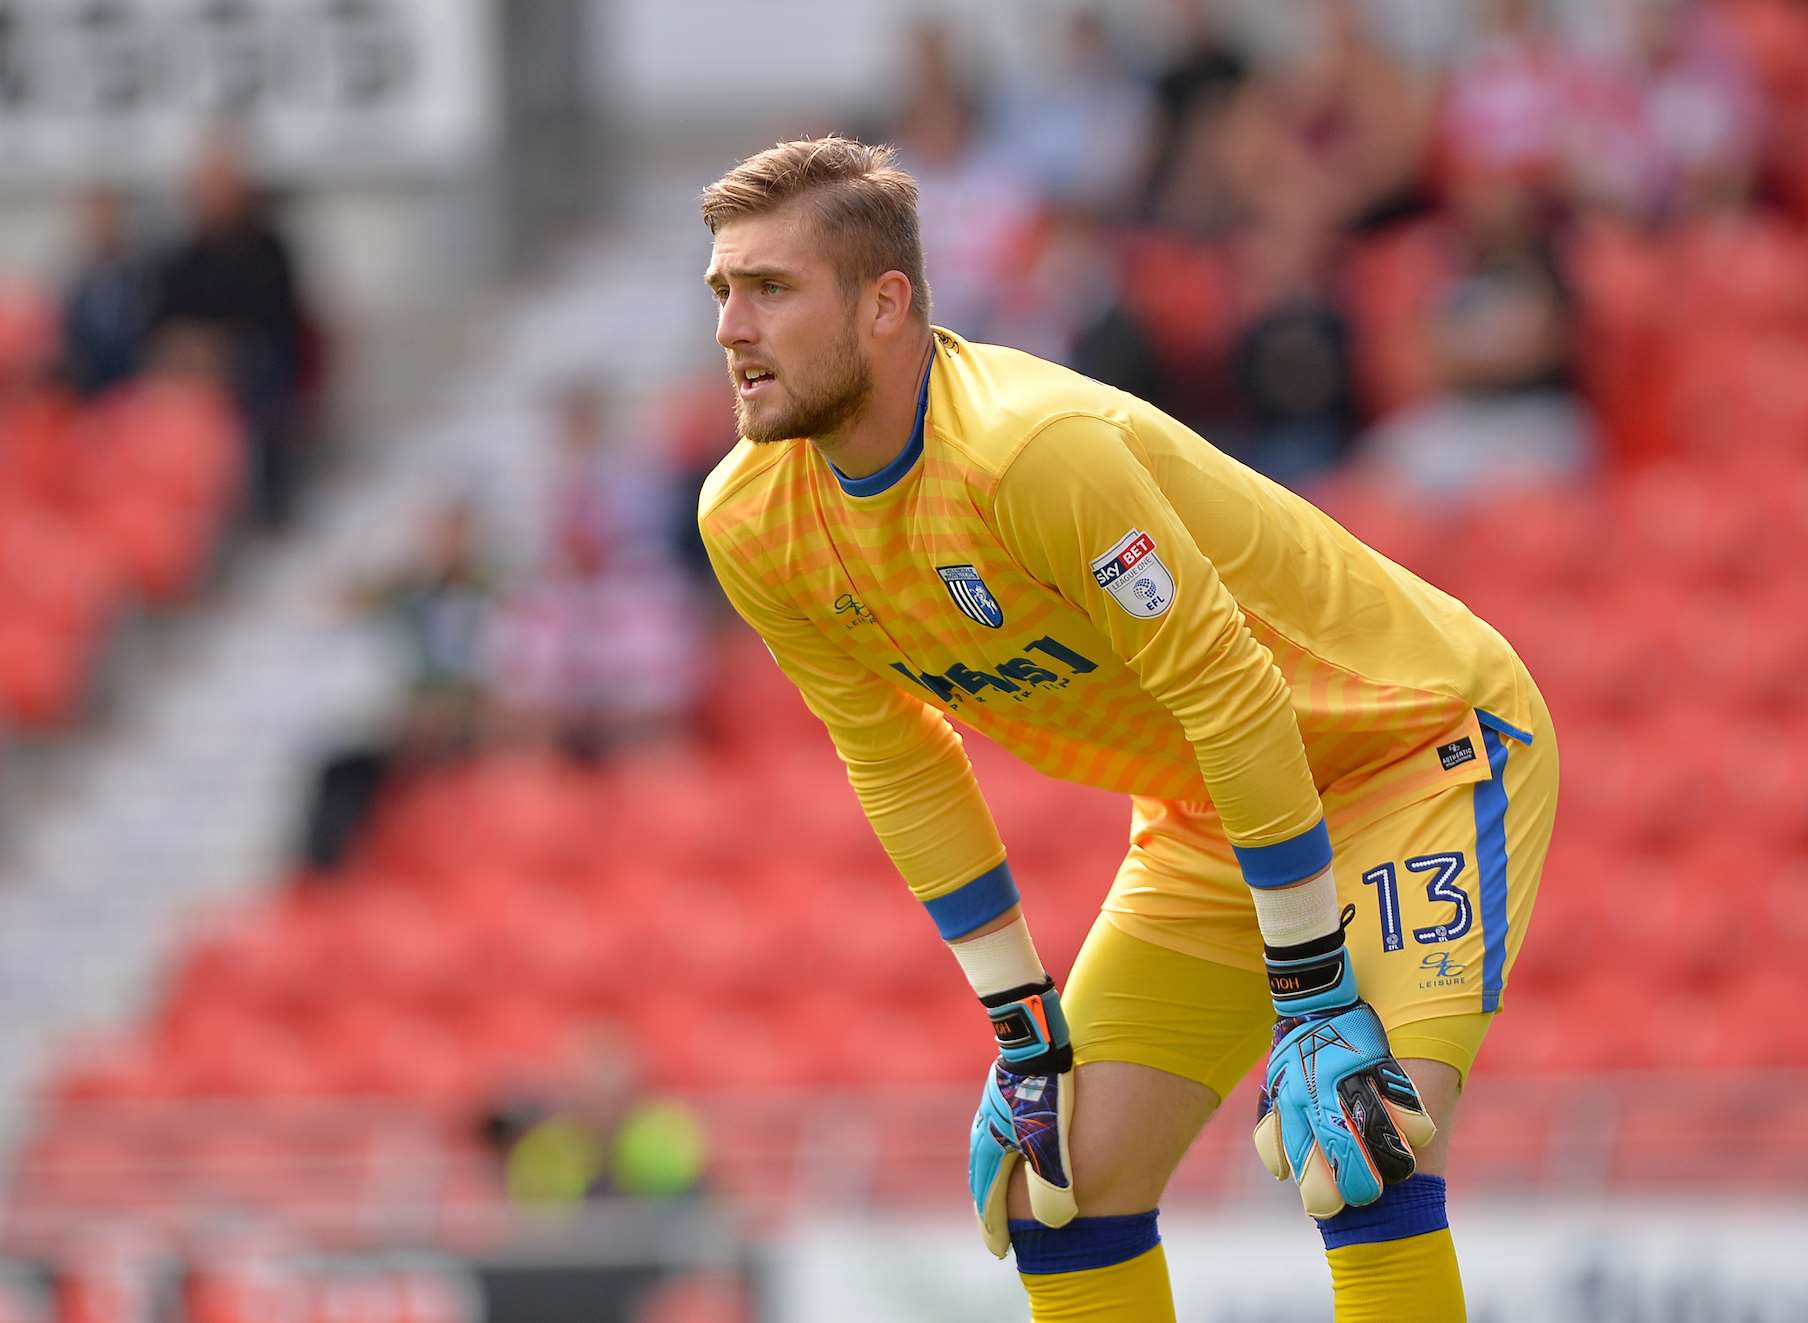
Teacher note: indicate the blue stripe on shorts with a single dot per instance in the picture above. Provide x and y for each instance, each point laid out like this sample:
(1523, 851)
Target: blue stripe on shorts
(1491, 862)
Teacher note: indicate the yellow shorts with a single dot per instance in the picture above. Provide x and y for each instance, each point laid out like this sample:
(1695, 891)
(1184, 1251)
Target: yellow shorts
(1171, 974)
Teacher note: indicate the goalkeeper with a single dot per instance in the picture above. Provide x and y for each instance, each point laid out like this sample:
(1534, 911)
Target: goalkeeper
(1342, 783)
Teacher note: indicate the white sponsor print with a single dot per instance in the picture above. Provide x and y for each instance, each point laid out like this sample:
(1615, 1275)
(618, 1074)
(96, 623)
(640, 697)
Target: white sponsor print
(1134, 575)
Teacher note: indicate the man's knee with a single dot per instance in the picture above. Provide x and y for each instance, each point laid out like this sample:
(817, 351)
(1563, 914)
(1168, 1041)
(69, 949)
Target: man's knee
(1131, 1126)
(1439, 1087)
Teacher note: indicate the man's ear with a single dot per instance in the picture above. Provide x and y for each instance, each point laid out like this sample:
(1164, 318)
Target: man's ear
(893, 300)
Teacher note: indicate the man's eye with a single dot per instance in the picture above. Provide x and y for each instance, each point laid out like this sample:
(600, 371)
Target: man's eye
(771, 287)
(719, 294)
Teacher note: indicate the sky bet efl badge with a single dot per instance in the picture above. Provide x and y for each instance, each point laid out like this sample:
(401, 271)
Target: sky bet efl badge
(971, 595)
(1134, 574)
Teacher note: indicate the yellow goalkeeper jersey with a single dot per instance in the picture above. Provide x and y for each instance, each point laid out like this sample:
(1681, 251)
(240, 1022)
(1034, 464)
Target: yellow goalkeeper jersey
(1067, 570)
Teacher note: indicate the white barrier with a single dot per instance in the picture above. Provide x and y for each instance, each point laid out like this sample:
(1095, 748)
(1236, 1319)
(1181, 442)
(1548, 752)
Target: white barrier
(1604, 1263)
(325, 90)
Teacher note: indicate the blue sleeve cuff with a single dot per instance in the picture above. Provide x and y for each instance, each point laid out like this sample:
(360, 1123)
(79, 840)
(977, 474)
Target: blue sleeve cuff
(978, 902)
(1286, 862)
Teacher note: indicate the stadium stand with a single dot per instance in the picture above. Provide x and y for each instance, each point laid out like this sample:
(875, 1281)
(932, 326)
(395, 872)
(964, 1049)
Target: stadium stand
(104, 506)
(499, 908)
(319, 1052)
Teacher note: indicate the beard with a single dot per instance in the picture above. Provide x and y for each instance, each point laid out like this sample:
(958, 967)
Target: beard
(813, 407)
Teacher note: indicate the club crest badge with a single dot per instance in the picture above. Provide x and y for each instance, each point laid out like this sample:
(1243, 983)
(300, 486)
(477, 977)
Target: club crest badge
(1133, 574)
(971, 595)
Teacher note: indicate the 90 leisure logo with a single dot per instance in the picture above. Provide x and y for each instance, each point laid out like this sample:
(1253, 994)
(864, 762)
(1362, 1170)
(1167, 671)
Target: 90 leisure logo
(1445, 972)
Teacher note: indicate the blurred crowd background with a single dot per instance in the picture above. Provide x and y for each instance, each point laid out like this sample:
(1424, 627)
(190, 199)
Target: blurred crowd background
(421, 899)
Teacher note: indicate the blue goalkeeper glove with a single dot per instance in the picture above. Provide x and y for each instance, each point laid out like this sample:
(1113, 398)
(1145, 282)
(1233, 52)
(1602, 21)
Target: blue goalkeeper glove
(1024, 1113)
(1336, 1112)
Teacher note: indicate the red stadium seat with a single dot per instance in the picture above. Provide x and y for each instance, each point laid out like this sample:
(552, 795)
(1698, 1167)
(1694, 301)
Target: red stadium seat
(52, 574)
(1760, 782)
(373, 1051)
(514, 1043)
(1627, 327)
(1538, 542)
(1741, 650)
(160, 549)
(43, 675)
(1780, 898)
(1754, 1024)
(284, 962)
(1181, 293)
(1529, 1035)
(222, 1051)
(1688, 533)
(40, 448)
(105, 1070)
(697, 1041)
(1388, 281)
(708, 1298)
(175, 442)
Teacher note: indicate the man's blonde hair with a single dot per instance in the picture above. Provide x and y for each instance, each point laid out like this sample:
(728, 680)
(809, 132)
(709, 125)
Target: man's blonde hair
(864, 207)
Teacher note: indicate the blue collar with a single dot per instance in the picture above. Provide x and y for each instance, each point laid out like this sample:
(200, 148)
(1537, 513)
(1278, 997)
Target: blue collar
(874, 483)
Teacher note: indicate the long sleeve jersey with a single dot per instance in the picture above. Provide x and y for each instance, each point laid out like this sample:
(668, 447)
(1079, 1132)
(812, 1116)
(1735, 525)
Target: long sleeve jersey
(1067, 570)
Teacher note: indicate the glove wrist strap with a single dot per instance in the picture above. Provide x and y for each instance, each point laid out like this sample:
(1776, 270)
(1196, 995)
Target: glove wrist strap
(1312, 977)
(1031, 1028)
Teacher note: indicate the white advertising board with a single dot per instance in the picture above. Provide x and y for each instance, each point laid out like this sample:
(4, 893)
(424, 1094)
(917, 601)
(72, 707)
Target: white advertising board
(322, 89)
(1610, 1263)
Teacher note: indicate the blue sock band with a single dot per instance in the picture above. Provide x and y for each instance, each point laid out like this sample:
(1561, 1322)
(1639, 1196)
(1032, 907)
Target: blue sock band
(1085, 1242)
(1411, 1208)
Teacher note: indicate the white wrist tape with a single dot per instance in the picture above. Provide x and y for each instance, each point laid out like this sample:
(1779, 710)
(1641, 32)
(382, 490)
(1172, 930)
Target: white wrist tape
(1000, 961)
(1299, 913)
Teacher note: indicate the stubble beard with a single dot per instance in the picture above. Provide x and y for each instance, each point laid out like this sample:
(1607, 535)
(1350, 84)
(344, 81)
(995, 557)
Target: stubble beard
(817, 409)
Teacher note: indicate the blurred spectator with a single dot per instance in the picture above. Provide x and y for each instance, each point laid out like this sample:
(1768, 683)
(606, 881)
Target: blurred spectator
(603, 489)
(442, 603)
(1675, 115)
(1510, 97)
(936, 71)
(1067, 304)
(1499, 327)
(972, 206)
(596, 1134)
(107, 310)
(37, 429)
(1080, 128)
(1345, 129)
(1291, 369)
(1773, 39)
(234, 275)
(604, 650)
(1192, 91)
(699, 425)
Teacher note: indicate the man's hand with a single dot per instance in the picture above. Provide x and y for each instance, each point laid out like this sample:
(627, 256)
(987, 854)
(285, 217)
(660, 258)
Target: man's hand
(1337, 1113)
(1024, 1114)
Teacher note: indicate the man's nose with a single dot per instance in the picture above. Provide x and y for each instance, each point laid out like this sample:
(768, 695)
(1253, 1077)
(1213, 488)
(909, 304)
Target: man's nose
(733, 326)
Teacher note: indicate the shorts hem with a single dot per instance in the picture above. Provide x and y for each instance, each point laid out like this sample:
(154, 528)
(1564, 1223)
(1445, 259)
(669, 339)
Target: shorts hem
(1156, 933)
(1174, 1063)
(1458, 1050)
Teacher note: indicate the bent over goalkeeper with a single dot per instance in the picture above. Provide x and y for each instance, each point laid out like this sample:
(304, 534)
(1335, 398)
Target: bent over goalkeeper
(1342, 783)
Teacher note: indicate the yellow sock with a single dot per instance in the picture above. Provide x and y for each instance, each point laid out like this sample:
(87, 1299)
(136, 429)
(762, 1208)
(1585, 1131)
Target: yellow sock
(1414, 1280)
(1136, 1291)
